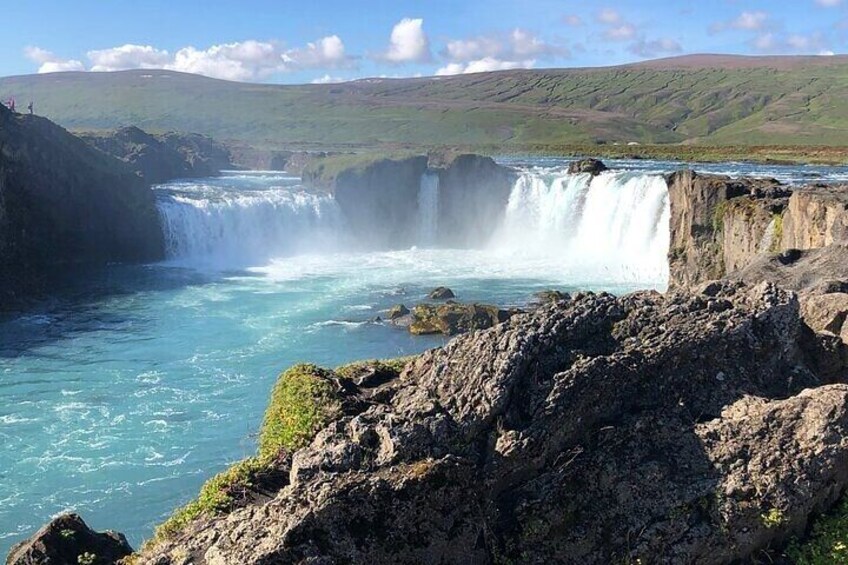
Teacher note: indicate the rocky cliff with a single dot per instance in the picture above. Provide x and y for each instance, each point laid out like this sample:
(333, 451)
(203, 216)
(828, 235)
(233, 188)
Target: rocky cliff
(63, 203)
(160, 158)
(379, 196)
(721, 226)
(687, 428)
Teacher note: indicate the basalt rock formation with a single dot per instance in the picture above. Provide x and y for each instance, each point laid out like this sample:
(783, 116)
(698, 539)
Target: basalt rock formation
(379, 196)
(64, 204)
(160, 158)
(686, 428)
(591, 166)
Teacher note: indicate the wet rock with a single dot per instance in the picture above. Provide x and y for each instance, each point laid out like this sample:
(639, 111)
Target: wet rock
(454, 318)
(398, 311)
(441, 293)
(67, 540)
(591, 166)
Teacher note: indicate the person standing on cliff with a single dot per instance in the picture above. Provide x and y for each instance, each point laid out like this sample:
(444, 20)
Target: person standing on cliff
(30, 107)
(12, 104)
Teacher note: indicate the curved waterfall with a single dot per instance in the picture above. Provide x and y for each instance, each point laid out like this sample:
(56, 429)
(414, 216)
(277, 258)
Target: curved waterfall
(613, 226)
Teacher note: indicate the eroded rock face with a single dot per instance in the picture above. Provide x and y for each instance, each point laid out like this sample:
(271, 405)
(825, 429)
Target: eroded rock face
(593, 430)
(67, 540)
(160, 158)
(817, 216)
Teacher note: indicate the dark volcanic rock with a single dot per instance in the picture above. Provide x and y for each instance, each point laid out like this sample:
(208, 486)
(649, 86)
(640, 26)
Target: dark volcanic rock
(398, 311)
(441, 293)
(668, 429)
(591, 166)
(63, 203)
(160, 158)
(67, 540)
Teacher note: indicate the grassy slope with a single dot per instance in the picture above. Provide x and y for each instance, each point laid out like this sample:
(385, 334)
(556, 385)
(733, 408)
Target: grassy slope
(744, 101)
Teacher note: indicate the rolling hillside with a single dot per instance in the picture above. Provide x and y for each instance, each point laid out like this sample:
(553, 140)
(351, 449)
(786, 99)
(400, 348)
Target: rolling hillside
(703, 99)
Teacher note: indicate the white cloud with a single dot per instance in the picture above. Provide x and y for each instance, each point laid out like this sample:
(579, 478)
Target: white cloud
(773, 42)
(572, 20)
(829, 3)
(483, 65)
(608, 16)
(327, 79)
(519, 45)
(408, 42)
(746, 21)
(327, 52)
(50, 63)
(128, 57)
(241, 61)
(655, 48)
(826, 53)
(623, 32)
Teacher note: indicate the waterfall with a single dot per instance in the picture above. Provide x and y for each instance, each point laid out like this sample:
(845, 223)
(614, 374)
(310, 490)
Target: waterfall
(428, 210)
(236, 228)
(614, 226)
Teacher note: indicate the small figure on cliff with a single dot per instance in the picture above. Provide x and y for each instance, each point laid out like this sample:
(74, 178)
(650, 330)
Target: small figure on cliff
(30, 107)
(12, 104)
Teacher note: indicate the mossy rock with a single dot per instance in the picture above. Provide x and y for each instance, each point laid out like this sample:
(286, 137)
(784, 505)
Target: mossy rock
(454, 318)
(398, 311)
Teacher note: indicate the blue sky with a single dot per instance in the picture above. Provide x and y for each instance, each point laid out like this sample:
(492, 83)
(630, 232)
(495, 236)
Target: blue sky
(330, 40)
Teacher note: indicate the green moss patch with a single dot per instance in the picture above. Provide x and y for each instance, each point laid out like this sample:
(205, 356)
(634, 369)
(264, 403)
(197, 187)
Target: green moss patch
(303, 400)
(828, 542)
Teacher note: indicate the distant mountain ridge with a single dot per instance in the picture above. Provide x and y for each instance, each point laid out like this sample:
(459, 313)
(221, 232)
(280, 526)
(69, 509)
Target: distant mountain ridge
(706, 99)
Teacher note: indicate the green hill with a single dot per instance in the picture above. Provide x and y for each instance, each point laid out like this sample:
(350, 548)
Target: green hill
(705, 99)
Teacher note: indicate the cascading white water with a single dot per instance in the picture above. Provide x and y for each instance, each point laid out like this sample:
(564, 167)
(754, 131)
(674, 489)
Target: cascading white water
(428, 210)
(234, 228)
(614, 226)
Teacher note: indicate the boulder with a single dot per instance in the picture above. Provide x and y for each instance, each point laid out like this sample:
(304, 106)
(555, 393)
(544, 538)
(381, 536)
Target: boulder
(545, 296)
(454, 318)
(591, 166)
(827, 313)
(441, 293)
(590, 431)
(67, 540)
(398, 311)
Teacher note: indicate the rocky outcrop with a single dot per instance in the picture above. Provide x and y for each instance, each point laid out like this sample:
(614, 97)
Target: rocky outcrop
(441, 293)
(817, 216)
(379, 196)
(67, 540)
(591, 166)
(62, 204)
(160, 158)
(721, 226)
(686, 428)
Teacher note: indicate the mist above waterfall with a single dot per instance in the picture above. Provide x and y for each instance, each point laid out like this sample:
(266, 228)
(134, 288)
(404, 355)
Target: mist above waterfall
(613, 227)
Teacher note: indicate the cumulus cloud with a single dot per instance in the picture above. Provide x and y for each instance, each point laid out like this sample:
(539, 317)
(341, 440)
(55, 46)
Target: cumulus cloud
(517, 45)
(50, 63)
(408, 42)
(327, 52)
(242, 60)
(128, 57)
(483, 65)
(829, 3)
(572, 20)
